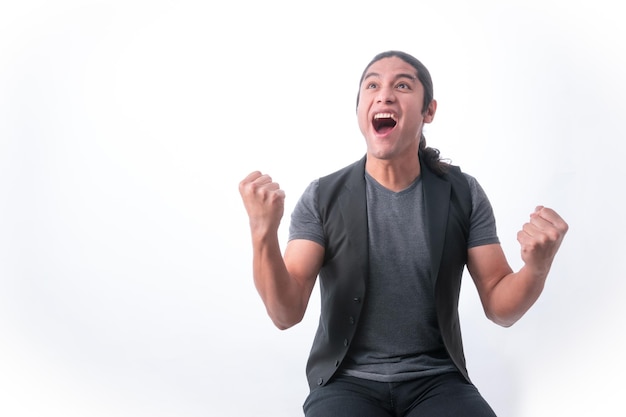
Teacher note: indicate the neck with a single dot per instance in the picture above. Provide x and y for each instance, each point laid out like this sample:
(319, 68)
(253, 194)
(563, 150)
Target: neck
(393, 174)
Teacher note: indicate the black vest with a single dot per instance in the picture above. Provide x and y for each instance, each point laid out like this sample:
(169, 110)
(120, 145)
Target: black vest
(343, 277)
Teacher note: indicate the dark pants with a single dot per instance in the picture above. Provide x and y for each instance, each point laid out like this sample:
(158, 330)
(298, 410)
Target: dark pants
(447, 395)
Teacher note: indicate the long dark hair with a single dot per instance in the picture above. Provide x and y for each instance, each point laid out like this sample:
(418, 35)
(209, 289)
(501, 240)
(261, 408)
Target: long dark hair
(429, 156)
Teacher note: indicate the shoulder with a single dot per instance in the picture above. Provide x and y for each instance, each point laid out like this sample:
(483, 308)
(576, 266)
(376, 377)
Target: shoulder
(454, 173)
(344, 172)
(474, 186)
(457, 178)
(348, 177)
(460, 183)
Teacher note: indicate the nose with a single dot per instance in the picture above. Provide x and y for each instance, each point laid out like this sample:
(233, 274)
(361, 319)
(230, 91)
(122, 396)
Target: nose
(385, 95)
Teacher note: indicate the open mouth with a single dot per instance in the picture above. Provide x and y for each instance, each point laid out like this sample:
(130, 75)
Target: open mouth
(384, 122)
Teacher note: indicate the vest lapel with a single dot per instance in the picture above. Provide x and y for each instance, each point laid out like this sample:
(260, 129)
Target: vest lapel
(436, 203)
(353, 205)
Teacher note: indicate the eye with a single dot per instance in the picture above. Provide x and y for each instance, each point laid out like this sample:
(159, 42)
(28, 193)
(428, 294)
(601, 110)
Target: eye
(403, 86)
(370, 86)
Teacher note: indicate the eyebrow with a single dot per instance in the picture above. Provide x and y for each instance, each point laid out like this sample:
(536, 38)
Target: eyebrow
(398, 76)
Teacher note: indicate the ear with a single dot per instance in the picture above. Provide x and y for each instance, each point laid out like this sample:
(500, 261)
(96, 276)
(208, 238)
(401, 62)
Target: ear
(429, 115)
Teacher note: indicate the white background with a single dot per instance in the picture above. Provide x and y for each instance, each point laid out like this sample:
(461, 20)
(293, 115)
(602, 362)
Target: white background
(126, 126)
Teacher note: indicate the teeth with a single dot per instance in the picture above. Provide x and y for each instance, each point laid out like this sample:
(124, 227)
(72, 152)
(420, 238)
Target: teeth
(384, 116)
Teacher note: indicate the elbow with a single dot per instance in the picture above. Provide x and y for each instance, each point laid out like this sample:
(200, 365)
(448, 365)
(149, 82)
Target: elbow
(502, 319)
(502, 322)
(283, 326)
(284, 322)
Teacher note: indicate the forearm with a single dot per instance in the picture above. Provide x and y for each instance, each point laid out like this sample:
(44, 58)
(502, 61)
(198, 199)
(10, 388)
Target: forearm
(514, 295)
(507, 295)
(281, 294)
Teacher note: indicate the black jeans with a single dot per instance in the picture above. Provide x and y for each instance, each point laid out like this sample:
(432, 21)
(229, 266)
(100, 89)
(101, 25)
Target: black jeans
(447, 395)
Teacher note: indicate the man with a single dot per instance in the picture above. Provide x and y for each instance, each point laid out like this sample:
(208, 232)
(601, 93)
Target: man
(389, 237)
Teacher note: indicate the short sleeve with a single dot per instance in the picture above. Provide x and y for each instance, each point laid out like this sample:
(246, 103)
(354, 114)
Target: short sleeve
(305, 219)
(482, 221)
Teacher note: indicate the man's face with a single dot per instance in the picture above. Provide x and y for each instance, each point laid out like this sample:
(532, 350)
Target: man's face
(390, 109)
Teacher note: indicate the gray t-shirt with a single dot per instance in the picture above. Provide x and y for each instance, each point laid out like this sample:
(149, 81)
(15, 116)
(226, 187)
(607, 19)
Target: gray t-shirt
(398, 337)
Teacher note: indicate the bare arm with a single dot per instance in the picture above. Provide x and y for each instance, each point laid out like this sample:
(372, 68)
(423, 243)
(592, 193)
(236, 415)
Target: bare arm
(506, 295)
(284, 284)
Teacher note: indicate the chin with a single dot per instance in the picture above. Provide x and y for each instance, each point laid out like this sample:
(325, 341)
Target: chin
(381, 154)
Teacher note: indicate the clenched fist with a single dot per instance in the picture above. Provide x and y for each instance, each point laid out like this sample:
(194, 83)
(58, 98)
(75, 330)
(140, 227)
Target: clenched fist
(264, 202)
(541, 238)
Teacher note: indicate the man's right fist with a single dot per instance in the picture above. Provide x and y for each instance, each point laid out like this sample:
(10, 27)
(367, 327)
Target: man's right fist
(264, 201)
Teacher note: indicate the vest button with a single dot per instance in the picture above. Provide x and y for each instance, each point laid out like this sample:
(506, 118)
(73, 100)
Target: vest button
(345, 342)
(357, 299)
(351, 319)
(320, 381)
